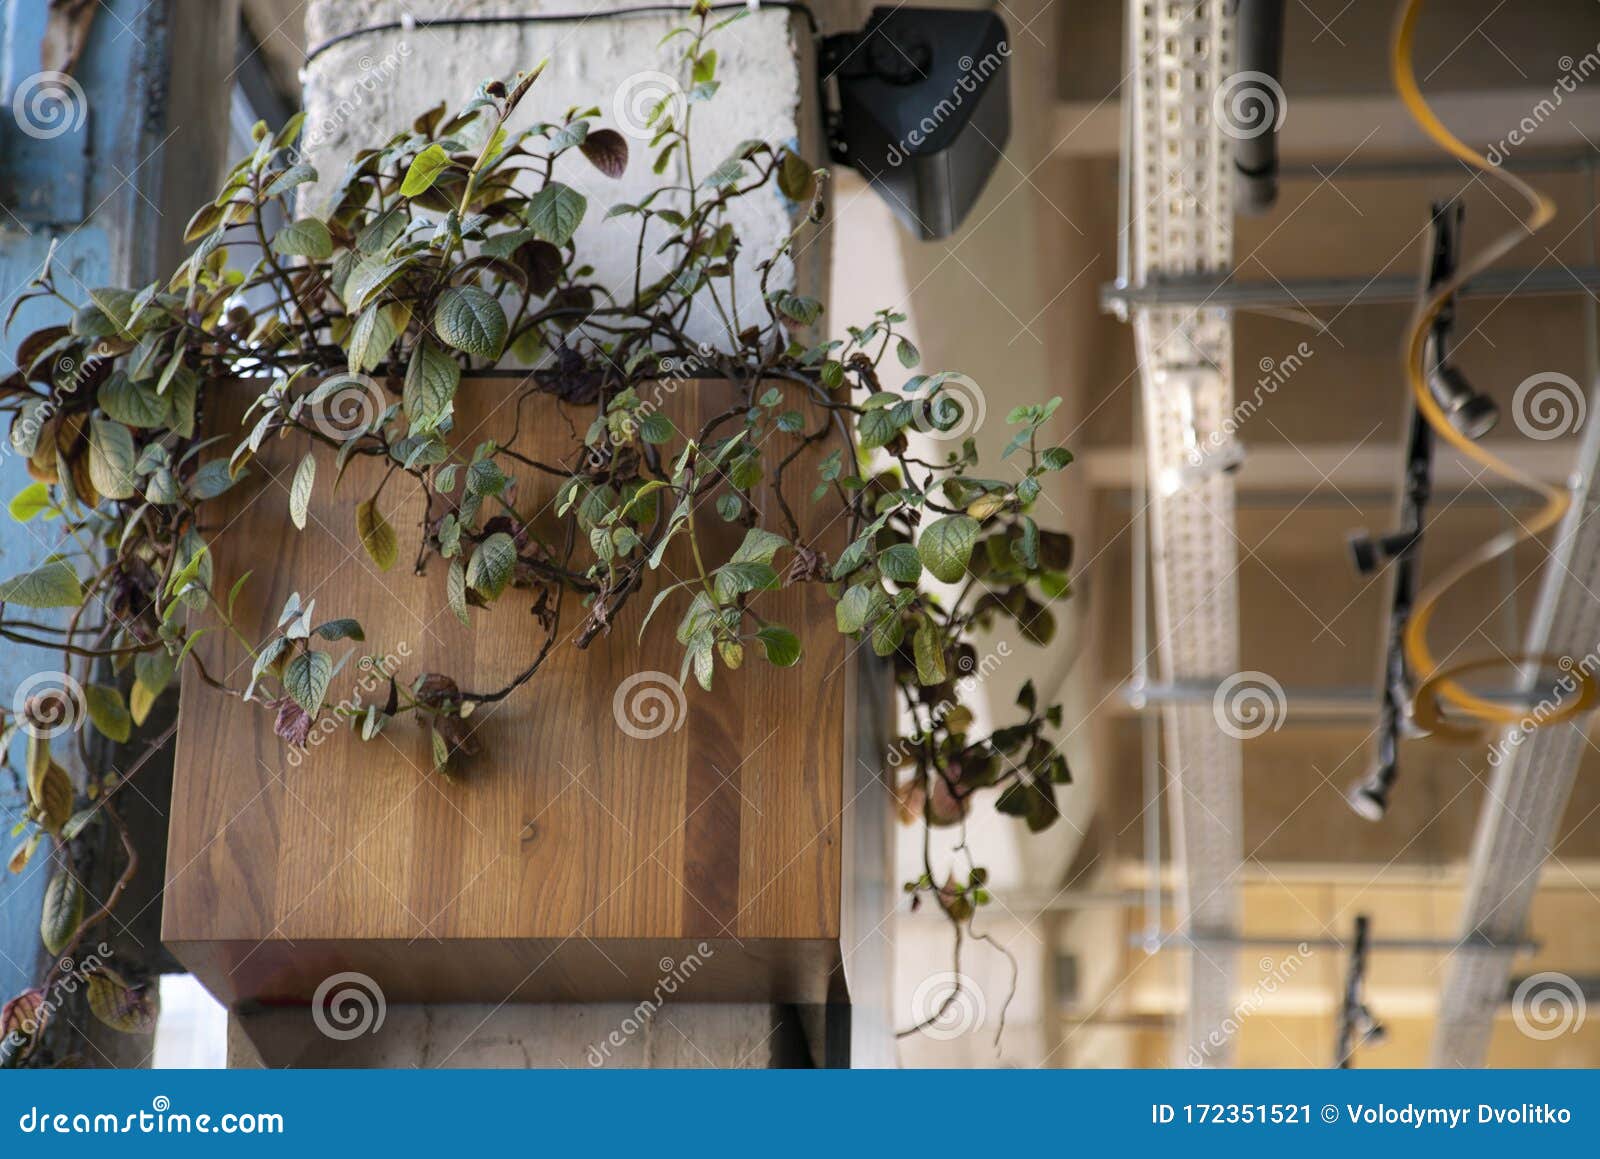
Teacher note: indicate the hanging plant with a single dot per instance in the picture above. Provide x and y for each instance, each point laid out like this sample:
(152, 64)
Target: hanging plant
(448, 250)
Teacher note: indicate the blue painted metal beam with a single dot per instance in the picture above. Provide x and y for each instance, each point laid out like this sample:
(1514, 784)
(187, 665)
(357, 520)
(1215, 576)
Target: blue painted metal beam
(79, 169)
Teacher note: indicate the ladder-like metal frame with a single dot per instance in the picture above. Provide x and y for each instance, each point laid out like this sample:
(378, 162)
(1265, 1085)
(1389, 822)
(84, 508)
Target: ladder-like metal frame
(1180, 224)
(1528, 790)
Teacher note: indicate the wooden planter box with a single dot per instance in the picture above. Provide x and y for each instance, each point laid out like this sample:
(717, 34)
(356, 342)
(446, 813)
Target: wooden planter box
(568, 862)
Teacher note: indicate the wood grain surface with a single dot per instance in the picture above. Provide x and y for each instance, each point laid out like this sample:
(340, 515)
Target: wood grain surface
(726, 826)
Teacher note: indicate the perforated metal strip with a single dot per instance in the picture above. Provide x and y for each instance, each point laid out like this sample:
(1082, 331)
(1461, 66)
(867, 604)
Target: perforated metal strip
(1182, 225)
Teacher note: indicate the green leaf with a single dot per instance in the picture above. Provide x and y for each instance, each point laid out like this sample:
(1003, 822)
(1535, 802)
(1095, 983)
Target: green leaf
(211, 480)
(305, 679)
(759, 546)
(430, 390)
(129, 402)
(368, 279)
(424, 171)
(470, 319)
(854, 607)
(733, 579)
(908, 354)
(901, 564)
(656, 428)
(376, 535)
(108, 712)
(341, 629)
(782, 645)
(929, 649)
(50, 586)
(796, 180)
(32, 501)
(290, 178)
(111, 459)
(62, 912)
(1034, 800)
(456, 591)
(129, 1009)
(305, 476)
(374, 332)
(946, 544)
(555, 212)
(492, 563)
(306, 238)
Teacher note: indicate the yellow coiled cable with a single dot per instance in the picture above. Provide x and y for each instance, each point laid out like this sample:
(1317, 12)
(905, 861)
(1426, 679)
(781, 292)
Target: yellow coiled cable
(1437, 683)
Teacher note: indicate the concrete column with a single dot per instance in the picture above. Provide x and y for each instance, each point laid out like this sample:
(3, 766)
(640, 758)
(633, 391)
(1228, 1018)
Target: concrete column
(374, 84)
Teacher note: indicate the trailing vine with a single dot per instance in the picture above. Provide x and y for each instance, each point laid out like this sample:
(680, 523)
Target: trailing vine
(446, 251)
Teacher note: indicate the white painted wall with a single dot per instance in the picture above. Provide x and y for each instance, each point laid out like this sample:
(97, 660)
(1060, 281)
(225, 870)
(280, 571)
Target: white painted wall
(375, 84)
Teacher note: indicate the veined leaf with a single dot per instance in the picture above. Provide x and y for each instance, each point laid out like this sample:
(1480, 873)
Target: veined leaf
(376, 535)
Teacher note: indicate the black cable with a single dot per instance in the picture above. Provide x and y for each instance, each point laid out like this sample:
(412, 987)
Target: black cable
(551, 18)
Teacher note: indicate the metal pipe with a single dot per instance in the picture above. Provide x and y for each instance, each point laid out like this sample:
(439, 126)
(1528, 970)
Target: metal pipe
(1383, 945)
(1258, 39)
(1307, 698)
(1357, 291)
